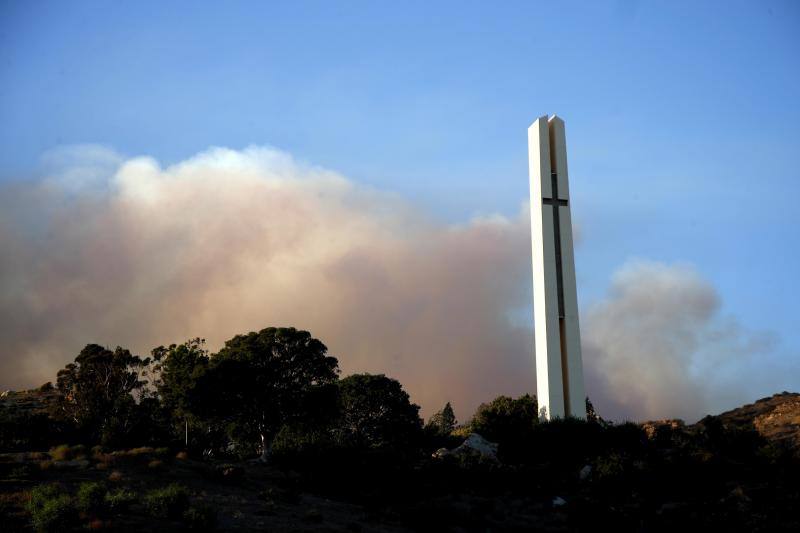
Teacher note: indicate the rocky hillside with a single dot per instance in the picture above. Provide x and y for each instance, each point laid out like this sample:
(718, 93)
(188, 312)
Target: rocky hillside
(776, 418)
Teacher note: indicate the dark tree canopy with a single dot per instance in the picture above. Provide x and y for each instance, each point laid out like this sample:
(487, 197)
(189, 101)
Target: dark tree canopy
(376, 412)
(96, 391)
(263, 380)
(177, 373)
(505, 418)
(178, 368)
(442, 422)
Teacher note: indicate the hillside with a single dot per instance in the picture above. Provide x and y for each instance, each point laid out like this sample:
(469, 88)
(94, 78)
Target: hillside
(725, 471)
(776, 418)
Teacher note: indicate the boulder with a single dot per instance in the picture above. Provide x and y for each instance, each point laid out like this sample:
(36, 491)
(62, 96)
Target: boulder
(474, 446)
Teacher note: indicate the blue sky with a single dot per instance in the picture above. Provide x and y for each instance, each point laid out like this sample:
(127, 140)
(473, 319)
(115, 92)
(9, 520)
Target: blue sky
(683, 118)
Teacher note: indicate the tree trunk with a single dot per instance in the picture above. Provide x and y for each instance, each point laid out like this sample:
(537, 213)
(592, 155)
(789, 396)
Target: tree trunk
(266, 449)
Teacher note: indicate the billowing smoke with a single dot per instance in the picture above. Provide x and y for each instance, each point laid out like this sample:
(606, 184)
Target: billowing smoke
(658, 346)
(232, 241)
(123, 252)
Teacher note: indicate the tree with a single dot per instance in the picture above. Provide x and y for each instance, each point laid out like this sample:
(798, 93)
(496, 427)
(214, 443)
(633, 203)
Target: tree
(96, 391)
(443, 422)
(263, 380)
(591, 414)
(178, 369)
(376, 413)
(509, 422)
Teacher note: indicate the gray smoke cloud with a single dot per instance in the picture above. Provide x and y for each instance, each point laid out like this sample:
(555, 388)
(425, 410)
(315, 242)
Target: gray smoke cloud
(658, 346)
(121, 251)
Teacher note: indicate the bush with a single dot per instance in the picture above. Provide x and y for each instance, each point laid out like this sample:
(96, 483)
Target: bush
(168, 502)
(51, 508)
(142, 450)
(91, 497)
(64, 452)
(119, 500)
(298, 444)
(377, 414)
(510, 423)
(61, 452)
(200, 517)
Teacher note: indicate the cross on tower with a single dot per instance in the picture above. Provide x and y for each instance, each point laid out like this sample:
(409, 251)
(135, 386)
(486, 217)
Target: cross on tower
(556, 202)
(559, 362)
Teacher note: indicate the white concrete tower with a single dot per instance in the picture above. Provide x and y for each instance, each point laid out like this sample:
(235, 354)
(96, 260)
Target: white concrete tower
(559, 366)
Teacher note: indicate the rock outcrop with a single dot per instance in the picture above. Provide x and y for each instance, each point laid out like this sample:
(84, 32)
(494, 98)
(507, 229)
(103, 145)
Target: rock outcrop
(475, 446)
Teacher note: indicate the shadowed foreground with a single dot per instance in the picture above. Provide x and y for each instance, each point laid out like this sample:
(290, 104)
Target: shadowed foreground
(264, 435)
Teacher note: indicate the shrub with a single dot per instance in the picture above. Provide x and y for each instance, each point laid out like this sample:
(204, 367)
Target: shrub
(200, 517)
(91, 497)
(377, 414)
(64, 452)
(78, 451)
(115, 476)
(167, 502)
(509, 422)
(142, 450)
(36, 456)
(51, 508)
(298, 444)
(119, 500)
(11, 519)
(61, 452)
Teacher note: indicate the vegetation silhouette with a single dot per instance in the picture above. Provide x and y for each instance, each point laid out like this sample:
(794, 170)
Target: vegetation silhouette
(269, 414)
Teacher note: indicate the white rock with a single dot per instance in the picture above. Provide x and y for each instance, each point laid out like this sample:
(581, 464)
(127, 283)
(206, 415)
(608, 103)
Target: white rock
(585, 472)
(473, 445)
(558, 501)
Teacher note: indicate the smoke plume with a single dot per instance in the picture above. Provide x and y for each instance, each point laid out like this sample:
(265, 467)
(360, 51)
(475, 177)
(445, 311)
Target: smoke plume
(124, 252)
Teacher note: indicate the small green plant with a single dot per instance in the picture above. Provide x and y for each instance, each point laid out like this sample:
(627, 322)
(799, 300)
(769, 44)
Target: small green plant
(91, 497)
(167, 502)
(51, 508)
(200, 517)
(119, 500)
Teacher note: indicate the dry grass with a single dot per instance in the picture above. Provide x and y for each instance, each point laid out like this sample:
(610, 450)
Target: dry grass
(182, 456)
(61, 453)
(65, 452)
(115, 476)
(143, 450)
(156, 464)
(36, 456)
